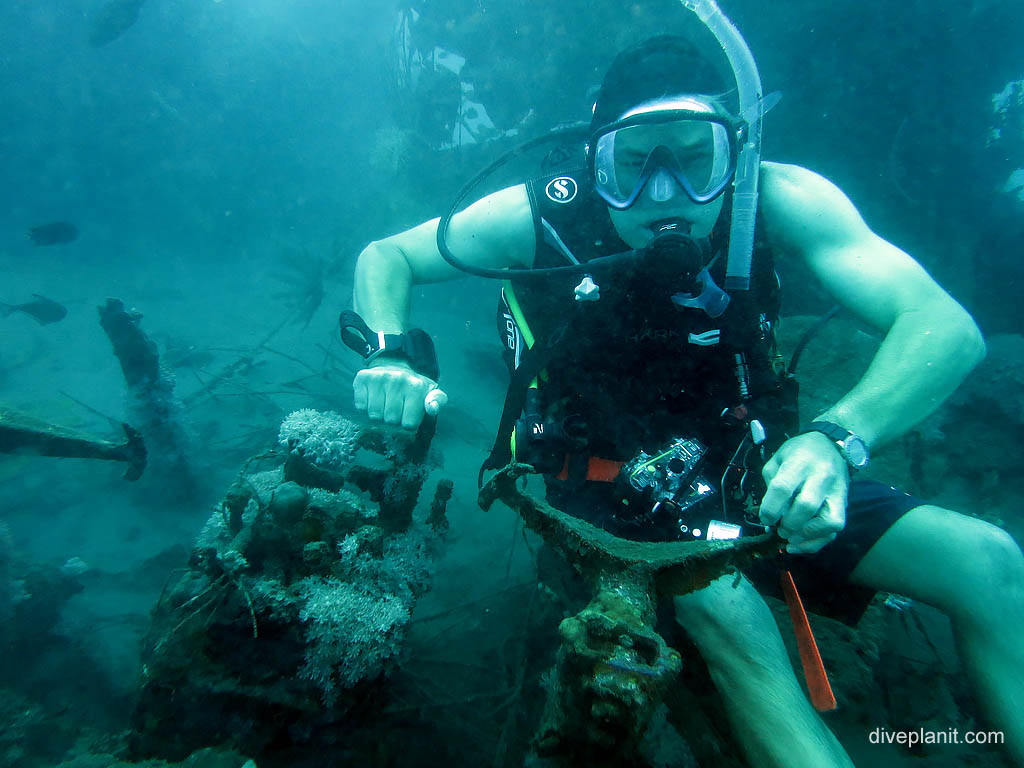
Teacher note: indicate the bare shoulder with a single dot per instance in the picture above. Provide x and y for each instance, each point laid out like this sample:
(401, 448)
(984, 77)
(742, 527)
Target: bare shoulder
(802, 208)
(807, 216)
(786, 180)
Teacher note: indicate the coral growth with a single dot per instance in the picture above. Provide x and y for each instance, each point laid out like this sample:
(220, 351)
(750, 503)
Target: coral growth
(297, 597)
(611, 674)
(323, 437)
(351, 632)
(304, 273)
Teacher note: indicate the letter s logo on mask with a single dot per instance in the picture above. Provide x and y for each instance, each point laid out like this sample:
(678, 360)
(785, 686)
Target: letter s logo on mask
(562, 189)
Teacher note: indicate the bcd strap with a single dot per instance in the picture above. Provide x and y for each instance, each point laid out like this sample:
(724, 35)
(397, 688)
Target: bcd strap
(532, 361)
(598, 470)
(810, 659)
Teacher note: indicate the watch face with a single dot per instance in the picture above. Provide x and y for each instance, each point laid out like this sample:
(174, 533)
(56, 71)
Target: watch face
(856, 452)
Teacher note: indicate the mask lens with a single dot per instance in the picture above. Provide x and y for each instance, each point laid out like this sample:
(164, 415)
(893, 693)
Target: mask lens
(694, 152)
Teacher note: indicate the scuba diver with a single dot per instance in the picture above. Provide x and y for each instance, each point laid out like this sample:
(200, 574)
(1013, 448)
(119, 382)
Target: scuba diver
(637, 313)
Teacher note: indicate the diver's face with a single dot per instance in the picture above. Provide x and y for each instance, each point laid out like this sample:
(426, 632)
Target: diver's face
(663, 198)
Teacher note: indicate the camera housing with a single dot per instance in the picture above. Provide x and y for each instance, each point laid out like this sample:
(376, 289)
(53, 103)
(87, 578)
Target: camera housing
(666, 490)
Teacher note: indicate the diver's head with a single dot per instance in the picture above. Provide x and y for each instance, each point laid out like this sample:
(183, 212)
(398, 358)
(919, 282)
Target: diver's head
(662, 148)
(653, 69)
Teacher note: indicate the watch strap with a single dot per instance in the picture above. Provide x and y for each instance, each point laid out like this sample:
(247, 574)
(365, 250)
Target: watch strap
(828, 429)
(844, 441)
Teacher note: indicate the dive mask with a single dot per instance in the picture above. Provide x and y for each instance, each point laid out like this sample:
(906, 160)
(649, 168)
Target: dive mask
(662, 145)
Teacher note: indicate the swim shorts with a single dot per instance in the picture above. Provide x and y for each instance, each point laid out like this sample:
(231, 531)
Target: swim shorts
(823, 578)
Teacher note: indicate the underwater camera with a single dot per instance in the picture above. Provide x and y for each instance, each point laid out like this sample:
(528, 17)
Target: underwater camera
(667, 491)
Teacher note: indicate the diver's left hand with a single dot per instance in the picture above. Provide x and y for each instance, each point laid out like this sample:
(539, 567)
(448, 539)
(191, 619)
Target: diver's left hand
(807, 483)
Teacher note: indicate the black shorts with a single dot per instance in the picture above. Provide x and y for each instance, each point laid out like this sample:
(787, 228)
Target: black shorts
(823, 579)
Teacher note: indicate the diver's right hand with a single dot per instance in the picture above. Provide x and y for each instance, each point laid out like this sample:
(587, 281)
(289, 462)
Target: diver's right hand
(394, 393)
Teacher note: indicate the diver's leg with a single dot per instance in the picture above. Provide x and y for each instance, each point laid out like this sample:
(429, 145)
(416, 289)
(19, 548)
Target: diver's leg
(740, 641)
(974, 572)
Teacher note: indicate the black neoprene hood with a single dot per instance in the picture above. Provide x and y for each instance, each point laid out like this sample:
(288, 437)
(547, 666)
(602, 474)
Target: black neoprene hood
(666, 65)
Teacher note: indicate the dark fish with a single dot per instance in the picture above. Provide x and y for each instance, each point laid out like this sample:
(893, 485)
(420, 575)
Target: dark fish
(113, 20)
(23, 434)
(54, 233)
(44, 310)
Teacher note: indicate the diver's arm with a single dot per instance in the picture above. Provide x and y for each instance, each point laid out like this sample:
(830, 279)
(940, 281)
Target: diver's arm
(496, 231)
(930, 344)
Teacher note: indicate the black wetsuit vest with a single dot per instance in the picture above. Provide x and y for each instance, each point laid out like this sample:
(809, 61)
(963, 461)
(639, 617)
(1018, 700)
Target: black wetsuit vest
(632, 370)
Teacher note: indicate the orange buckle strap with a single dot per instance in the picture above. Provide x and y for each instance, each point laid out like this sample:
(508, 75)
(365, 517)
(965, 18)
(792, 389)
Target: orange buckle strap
(814, 670)
(598, 470)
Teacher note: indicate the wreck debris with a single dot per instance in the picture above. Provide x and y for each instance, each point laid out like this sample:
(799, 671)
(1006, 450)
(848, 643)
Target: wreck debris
(152, 404)
(23, 434)
(613, 669)
(296, 599)
(437, 518)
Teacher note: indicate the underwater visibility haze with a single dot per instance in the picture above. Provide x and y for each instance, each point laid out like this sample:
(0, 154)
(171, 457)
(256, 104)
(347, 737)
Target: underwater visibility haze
(210, 557)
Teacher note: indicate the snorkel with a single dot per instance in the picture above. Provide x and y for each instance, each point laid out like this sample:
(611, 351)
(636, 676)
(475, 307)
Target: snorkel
(748, 166)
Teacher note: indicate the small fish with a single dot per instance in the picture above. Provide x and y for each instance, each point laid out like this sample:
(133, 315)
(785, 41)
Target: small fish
(44, 310)
(54, 233)
(631, 668)
(114, 19)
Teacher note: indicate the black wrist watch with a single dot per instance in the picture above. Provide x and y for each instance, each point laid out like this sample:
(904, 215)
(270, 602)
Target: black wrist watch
(851, 446)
